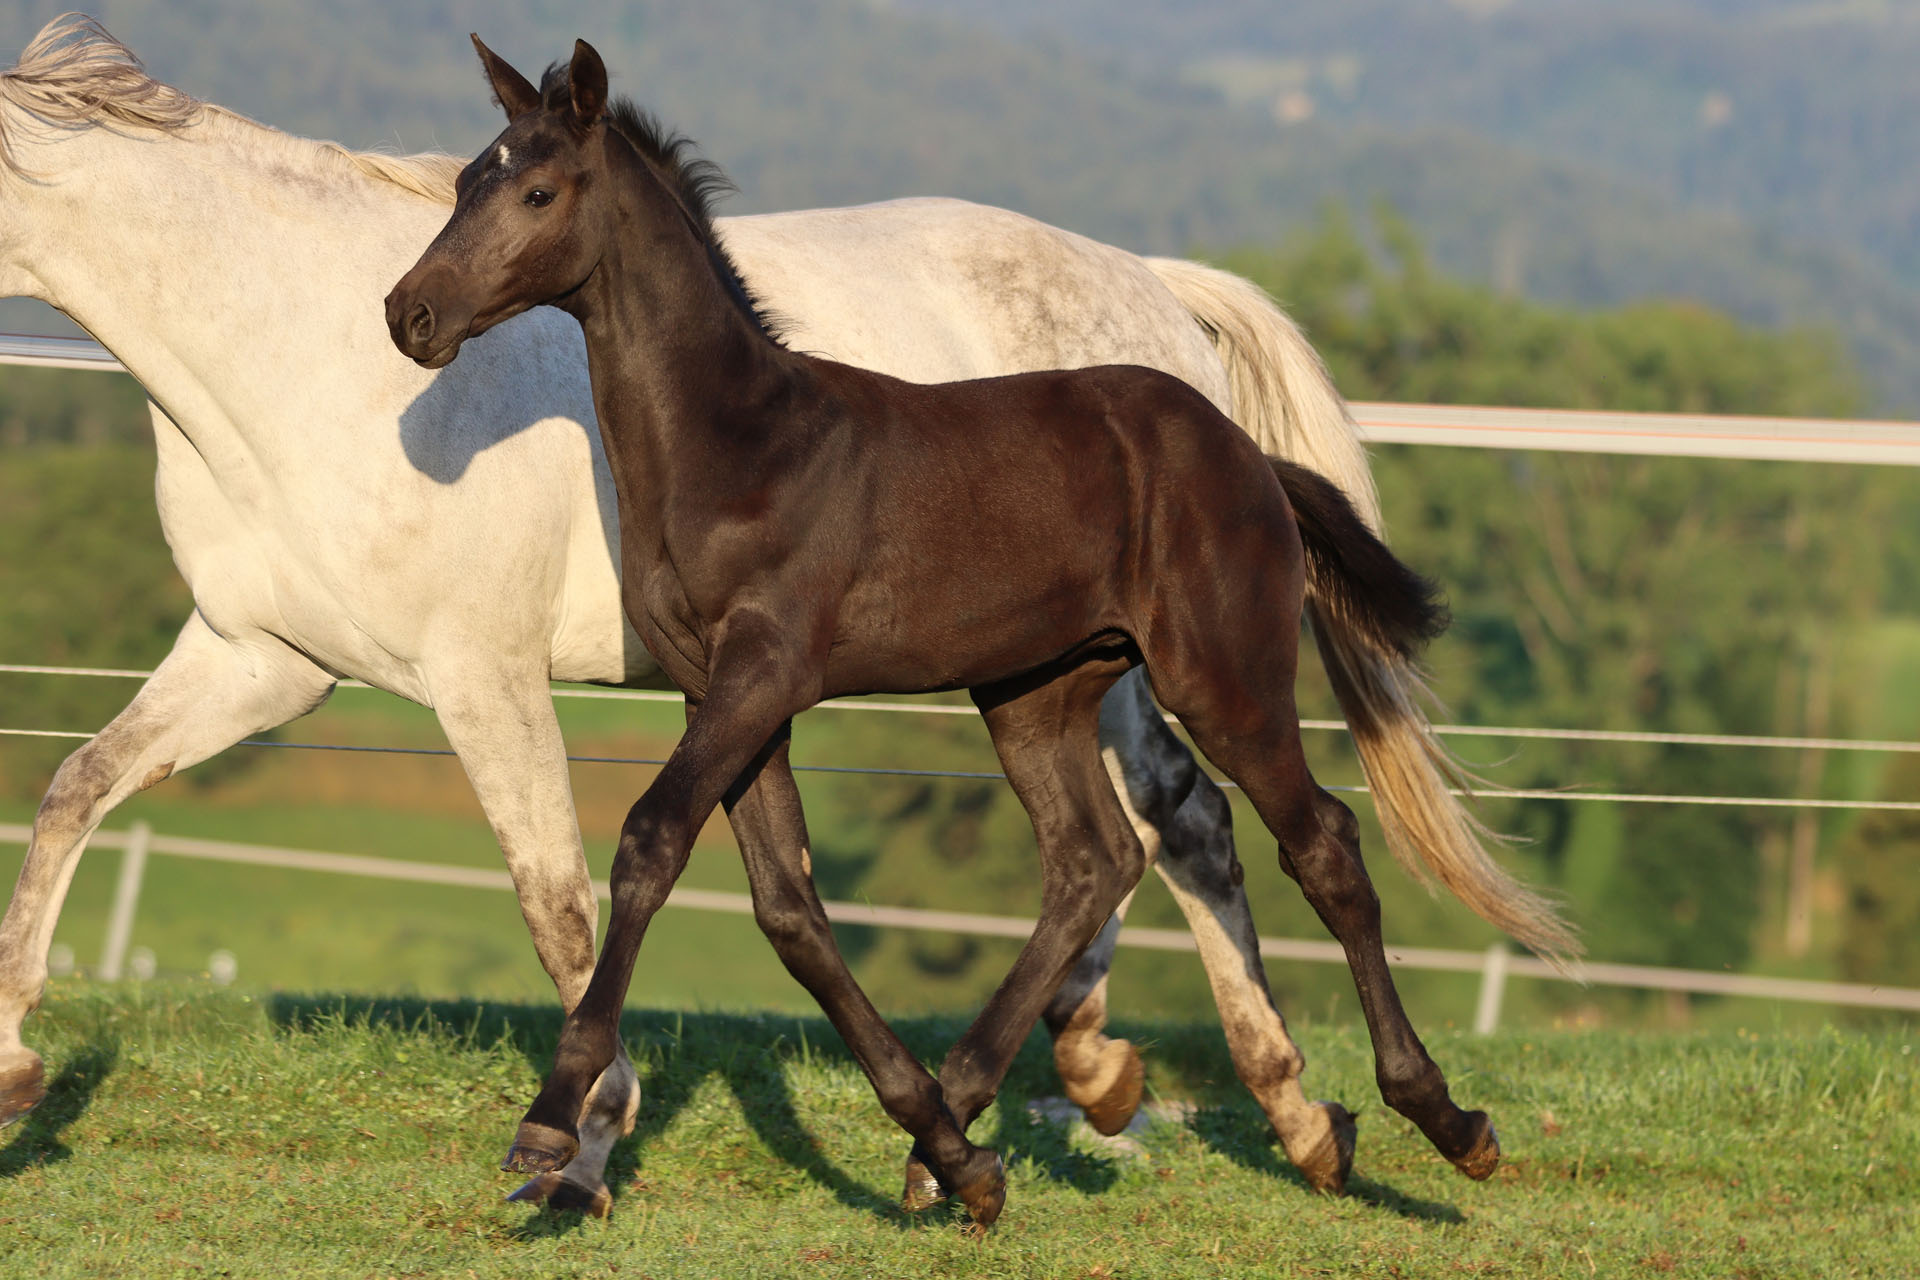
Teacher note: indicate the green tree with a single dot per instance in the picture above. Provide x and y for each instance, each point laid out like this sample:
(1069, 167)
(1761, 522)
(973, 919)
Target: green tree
(1392, 328)
(1881, 942)
(1615, 592)
(85, 580)
(60, 406)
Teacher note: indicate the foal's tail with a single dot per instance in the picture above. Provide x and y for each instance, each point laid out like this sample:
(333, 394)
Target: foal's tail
(1371, 615)
(1369, 612)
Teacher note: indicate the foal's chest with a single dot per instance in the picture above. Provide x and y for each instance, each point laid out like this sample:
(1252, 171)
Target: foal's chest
(666, 621)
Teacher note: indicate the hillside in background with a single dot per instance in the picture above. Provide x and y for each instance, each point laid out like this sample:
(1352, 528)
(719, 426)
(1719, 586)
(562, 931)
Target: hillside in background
(812, 102)
(1797, 114)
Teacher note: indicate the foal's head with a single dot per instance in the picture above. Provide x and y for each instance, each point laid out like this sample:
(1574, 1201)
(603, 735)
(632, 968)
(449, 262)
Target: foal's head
(526, 225)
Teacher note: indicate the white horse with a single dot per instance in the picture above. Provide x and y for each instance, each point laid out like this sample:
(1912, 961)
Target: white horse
(339, 512)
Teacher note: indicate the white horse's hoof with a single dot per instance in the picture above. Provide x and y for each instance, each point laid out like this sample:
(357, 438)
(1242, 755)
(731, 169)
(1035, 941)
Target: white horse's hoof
(22, 1085)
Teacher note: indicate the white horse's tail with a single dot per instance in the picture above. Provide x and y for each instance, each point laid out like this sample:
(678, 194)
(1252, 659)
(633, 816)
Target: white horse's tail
(1284, 399)
(1282, 396)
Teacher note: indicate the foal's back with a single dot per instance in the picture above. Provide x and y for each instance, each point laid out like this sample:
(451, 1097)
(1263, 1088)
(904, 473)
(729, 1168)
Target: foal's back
(1004, 523)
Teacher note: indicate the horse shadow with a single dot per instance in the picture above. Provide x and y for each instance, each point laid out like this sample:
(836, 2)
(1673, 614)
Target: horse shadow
(68, 1096)
(675, 1054)
(529, 370)
(1240, 1133)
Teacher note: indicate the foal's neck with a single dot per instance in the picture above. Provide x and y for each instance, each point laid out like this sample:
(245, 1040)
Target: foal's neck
(680, 366)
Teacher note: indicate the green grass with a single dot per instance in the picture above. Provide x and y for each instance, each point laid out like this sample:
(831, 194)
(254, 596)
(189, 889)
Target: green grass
(197, 1133)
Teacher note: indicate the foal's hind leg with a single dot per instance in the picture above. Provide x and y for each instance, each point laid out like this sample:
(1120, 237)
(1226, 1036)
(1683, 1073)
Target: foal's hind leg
(1047, 734)
(1320, 848)
(1103, 1076)
(1186, 825)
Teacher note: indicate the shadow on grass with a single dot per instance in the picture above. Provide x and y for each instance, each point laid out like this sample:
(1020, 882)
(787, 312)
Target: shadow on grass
(1381, 1196)
(1241, 1135)
(1019, 1136)
(38, 1142)
(674, 1053)
(747, 1052)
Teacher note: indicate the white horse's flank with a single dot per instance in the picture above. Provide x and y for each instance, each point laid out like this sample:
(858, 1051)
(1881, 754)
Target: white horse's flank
(446, 536)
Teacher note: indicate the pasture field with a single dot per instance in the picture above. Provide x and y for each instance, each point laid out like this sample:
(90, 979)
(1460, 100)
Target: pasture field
(198, 1133)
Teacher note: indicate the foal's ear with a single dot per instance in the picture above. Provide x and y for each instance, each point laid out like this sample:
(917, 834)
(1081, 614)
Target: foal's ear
(588, 76)
(510, 89)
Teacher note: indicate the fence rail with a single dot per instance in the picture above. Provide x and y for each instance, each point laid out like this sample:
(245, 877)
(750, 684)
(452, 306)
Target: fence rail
(1692, 435)
(1495, 965)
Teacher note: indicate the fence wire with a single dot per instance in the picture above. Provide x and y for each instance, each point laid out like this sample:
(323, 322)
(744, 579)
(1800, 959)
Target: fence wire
(1645, 737)
(1568, 794)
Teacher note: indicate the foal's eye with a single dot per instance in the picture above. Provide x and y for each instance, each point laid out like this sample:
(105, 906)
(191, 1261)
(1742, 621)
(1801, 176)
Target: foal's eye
(539, 197)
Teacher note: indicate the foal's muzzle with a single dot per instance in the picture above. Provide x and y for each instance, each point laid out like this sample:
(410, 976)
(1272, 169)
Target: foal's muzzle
(417, 330)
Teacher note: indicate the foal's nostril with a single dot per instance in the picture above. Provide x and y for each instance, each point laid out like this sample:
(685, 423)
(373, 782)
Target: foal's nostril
(420, 324)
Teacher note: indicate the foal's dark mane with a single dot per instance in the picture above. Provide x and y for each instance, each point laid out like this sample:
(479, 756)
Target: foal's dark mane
(696, 182)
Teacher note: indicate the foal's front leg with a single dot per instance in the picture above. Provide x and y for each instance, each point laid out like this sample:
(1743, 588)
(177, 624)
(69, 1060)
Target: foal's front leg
(753, 689)
(772, 833)
(499, 719)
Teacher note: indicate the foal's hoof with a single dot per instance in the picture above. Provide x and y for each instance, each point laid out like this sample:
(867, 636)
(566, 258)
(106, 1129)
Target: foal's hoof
(538, 1148)
(923, 1190)
(1326, 1164)
(22, 1086)
(560, 1195)
(1112, 1094)
(1484, 1156)
(984, 1192)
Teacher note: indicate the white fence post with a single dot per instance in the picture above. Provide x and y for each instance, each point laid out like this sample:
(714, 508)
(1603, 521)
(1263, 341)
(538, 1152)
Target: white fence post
(126, 899)
(1493, 988)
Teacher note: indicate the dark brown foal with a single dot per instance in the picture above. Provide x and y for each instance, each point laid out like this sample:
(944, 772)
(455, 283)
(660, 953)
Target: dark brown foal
(794, 529)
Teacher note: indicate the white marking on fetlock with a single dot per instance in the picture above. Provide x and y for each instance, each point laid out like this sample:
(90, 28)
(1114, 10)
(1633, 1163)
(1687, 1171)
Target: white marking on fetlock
(1307, 1129)
(12, 1048)
(1113, 1061)
(601, 1126)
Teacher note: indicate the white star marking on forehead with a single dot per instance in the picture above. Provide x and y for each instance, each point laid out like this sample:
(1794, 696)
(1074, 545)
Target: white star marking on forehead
(501, 154)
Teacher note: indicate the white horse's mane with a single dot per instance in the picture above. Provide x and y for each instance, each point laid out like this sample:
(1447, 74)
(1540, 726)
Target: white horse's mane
(76, 74)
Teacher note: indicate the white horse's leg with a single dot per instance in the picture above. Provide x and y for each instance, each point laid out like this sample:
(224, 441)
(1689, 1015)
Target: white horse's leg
(504, 731)
(210, 692)
(1187, 826)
